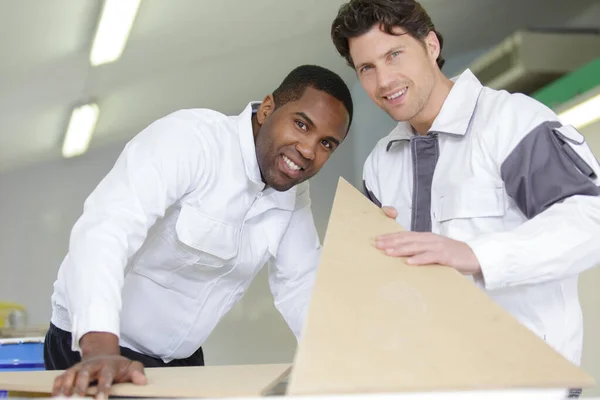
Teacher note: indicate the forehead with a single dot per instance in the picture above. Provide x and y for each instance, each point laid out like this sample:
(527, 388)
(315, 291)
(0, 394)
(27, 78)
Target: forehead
(376, 43)
(326, 111)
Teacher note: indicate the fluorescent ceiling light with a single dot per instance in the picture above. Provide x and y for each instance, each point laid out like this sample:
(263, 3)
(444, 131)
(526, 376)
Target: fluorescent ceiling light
(113, 30)
(583, 113)
(80, 130)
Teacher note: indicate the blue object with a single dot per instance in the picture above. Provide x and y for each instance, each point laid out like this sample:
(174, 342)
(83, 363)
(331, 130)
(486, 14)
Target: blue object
(20, 355)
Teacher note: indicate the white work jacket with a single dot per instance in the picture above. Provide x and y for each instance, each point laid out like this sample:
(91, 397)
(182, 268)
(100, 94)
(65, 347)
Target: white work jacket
(172, 237)
(501, 173)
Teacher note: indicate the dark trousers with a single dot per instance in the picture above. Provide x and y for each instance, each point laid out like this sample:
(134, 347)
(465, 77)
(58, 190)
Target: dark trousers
(59, 356)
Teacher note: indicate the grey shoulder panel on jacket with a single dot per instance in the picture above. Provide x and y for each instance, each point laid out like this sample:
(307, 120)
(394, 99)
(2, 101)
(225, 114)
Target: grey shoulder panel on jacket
(543, 169)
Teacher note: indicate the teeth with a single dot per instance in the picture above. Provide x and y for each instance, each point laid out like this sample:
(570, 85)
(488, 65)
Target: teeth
(291, 164)
(397, 94)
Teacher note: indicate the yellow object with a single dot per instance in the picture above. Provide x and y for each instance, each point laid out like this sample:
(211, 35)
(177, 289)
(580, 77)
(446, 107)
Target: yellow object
(6, 308)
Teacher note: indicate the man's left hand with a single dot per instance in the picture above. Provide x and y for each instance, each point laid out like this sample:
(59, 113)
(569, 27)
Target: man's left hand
(423, 248)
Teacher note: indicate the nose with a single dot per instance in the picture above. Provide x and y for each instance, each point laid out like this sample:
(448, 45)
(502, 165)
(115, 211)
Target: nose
(306, 148)
(385, 78)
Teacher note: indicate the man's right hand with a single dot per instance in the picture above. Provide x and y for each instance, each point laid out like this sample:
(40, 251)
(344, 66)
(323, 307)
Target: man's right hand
(101, 362)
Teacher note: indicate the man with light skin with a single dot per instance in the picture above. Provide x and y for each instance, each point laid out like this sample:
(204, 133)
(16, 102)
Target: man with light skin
(486, 182)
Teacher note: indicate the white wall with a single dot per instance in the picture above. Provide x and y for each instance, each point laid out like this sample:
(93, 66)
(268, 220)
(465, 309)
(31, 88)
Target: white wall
(38, 206)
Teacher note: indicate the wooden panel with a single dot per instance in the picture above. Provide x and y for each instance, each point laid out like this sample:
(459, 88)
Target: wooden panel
(182, 382)
(376, 324)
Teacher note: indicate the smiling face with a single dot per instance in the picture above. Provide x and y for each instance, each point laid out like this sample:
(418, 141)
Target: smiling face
(398, 72)
(295, 140)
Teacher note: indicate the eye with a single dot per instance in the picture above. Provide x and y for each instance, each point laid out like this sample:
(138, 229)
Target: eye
(394, 56)
(327, 144)
(301, 125)
(364, 69)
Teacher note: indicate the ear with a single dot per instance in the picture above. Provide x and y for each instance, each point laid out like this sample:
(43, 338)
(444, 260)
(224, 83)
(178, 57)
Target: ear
(432, 44)
(265, 109)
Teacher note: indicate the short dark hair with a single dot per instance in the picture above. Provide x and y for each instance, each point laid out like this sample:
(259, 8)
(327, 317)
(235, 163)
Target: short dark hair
(357, 17)
(295, 83)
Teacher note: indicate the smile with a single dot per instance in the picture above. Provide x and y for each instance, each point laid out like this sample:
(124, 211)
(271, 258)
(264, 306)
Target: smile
(292, 165)
(397, 94)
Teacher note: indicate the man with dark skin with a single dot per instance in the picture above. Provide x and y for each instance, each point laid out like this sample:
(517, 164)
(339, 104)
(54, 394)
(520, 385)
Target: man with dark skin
(172, 237)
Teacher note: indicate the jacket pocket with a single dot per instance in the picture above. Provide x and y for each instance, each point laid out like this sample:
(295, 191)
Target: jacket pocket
(469, 209)
(214, 242)
(471, 200)
(188, 250)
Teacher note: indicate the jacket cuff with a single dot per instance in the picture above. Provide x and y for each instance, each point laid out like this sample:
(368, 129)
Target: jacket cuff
(493, 260)
(93, 319)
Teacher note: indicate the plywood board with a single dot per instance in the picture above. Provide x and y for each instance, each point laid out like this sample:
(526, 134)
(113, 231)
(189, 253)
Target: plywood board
(376, 324)
(181, 382)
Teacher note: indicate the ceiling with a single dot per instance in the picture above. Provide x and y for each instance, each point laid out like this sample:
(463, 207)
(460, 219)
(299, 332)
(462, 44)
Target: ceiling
(195, 53)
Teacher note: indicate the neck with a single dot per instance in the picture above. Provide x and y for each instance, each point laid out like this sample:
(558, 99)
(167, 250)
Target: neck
(423, 121)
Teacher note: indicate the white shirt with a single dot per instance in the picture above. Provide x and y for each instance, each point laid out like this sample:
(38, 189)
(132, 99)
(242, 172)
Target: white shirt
(499, 172)
(172, 237)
